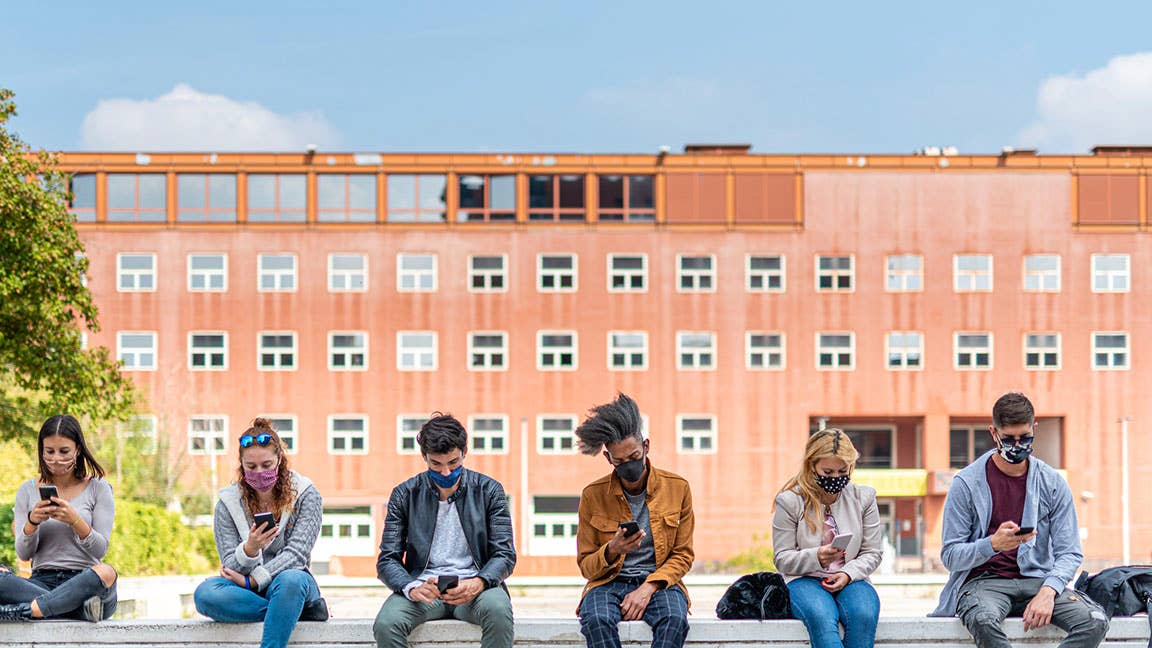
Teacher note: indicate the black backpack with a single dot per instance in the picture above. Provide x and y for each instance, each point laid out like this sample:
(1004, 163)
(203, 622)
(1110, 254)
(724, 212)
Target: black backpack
(1122, 591)
(762, 595)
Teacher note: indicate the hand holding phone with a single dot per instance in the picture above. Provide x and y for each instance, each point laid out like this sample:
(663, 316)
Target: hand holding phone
(1022, 531)
(48, 492)
(264, 521)
(630, 527)
(445, 583)
(841, 541)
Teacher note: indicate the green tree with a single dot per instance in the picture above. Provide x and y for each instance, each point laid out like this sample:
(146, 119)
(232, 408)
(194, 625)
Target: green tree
(44, 303)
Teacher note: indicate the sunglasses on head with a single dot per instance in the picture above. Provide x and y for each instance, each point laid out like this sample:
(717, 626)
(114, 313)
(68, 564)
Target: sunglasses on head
(261, 439)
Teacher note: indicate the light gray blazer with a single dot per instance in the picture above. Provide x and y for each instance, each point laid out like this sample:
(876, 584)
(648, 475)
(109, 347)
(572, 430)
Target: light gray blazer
(794, 545)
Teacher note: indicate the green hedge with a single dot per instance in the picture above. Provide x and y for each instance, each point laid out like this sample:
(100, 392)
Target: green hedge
(147, 540)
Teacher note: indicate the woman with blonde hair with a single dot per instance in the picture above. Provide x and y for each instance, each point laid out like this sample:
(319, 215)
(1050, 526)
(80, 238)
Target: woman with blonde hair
(265, 526)
(826, 542)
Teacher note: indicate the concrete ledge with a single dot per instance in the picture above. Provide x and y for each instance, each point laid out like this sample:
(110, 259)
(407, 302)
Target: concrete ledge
(912, 632)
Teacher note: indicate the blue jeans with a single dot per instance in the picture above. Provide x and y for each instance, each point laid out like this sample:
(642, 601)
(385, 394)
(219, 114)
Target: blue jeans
(59, 593)
(278, 607)
(600, 614)
(856, 607)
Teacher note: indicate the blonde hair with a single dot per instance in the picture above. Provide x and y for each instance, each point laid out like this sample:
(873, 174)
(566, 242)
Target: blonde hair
(829, 442)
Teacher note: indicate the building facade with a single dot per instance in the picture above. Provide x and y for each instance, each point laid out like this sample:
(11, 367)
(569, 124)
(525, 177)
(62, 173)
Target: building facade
(743, 300)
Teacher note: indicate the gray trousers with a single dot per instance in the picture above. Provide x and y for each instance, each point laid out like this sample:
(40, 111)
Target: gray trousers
(491, 610)
(986, 601)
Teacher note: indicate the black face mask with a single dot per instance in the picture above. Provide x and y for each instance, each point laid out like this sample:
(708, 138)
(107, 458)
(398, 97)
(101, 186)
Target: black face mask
(631, 471)
(1015, 454)
(832, 485)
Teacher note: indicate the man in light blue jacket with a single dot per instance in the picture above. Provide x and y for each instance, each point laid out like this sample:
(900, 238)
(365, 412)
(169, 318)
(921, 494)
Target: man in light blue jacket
(1011, 540)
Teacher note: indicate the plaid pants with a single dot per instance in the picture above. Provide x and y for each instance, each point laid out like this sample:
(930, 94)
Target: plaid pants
(667, 614)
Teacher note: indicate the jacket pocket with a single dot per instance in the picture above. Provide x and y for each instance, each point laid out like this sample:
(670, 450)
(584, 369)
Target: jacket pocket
(605, 527)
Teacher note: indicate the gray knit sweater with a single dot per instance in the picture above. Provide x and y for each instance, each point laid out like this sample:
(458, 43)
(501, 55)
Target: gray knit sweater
(290, 549)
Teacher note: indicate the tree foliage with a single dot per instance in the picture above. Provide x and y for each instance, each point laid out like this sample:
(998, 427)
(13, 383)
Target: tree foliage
(44, 302)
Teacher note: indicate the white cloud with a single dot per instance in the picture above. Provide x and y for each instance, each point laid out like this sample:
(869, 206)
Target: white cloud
(1108, 105)
(189, 120)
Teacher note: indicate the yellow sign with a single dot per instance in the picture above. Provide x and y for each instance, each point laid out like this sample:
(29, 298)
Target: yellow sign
(893, 482)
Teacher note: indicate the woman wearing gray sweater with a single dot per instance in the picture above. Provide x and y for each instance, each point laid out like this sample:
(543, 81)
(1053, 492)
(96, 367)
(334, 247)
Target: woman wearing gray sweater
(62, 522)
(265, 573)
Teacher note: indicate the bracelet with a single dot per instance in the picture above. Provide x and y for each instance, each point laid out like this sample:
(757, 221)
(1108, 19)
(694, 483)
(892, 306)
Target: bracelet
(35, 524)
(78, 520)
(247, 582)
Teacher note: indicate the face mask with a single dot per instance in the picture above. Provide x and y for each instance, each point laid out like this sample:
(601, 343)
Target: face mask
(631, 471)
(1015, 454)
(446, 481)
(262, 480)
(832, 485)
(61, 467)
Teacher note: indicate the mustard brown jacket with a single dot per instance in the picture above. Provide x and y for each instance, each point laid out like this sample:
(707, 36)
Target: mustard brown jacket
(603, 508)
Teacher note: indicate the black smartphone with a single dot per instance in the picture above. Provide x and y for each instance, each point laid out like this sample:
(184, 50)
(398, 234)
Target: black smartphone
(48, 492)
(630, 527)
(264, 521)
(446, 583)
(1025, 530)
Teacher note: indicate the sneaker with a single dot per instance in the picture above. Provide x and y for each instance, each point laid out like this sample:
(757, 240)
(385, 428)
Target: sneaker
(16, 612)
(316, 610)
(93, 609)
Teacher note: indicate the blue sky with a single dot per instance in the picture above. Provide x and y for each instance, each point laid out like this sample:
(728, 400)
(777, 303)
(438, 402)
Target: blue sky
(579, 77)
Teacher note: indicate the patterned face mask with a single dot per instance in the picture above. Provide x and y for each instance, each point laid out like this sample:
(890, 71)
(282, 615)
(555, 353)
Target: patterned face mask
(832, 485)
(1015, 454)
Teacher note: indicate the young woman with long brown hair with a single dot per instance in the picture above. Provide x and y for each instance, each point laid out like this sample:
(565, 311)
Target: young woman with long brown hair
(265, 574)
(826, 541)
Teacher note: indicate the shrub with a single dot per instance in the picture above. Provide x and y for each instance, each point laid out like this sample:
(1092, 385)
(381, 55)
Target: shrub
(148, 540)
(756, 558)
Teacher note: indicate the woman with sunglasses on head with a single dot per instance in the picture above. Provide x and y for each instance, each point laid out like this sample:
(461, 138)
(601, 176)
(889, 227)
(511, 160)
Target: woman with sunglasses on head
(826, 538)
(62, 522)
(265, 574)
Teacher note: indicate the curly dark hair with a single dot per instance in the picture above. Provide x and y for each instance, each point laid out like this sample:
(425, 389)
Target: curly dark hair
(610, 423)
(441, 434)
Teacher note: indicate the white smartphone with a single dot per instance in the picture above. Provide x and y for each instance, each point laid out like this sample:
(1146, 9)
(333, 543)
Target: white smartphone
(841, 540)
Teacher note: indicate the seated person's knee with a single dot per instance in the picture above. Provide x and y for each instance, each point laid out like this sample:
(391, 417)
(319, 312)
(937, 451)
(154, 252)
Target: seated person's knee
(106, 573)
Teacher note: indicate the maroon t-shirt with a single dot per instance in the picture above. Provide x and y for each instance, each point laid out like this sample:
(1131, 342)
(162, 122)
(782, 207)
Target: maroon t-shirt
(1007, 504)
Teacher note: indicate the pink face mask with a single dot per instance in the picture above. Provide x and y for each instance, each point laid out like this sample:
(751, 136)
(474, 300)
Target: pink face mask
(262, 480)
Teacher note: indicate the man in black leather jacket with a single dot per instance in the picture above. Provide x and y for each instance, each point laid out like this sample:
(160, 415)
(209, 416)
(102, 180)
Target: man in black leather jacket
(446, 525)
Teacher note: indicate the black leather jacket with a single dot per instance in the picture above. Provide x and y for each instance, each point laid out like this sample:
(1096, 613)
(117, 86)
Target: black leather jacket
(411, 521)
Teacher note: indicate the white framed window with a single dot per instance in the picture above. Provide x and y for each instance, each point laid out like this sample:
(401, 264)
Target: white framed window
(416, 272)
(973, 350)
(208, 272)
(765, 273)
(695, 350)
(904, 273)
(972, 273)
(764, 350)
(556, 434)
(276, 273)
(208, 434)
(135, 272)
(348, 434)
(695, 433)
(407, 429)
(555, 520)
(695, 273)
(1110, 350)
(835, 273)
(347, 351)
(347, 272)
(208, 351)
(1042, 351)
(416, 350)
(488, 350)
(286, 426)
(136, 350)
(904, 350)
(139, 433)
(627, 350)
(488, 433)
(556, 351)
(627, 273)
(1042, 273)
(556, 273)
(1110, 273)
(836, 351)
(276, 351)
(488, 273)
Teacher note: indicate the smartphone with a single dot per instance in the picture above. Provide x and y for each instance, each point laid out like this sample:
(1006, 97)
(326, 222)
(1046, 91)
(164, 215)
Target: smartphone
(1025, 530)
(48, 492)
(630, 527)
(446, 583)
(841, 540)
(264, 521)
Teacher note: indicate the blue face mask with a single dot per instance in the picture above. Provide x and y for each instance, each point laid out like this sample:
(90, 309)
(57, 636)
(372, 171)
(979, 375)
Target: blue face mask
(446, 481)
